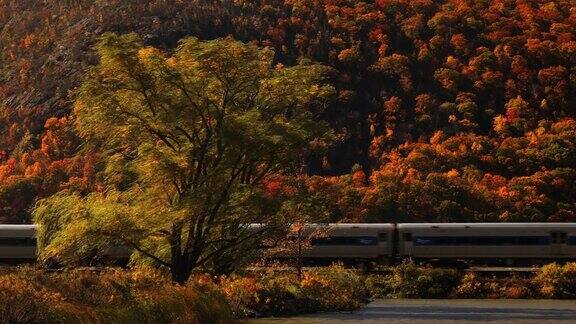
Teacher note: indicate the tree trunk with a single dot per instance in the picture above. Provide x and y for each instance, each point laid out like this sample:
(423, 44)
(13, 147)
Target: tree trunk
(181, 269)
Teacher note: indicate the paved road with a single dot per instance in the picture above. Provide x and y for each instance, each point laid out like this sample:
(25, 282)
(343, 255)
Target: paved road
(446, 311)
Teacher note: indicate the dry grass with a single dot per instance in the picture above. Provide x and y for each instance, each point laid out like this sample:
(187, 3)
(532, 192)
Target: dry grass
(110, 296)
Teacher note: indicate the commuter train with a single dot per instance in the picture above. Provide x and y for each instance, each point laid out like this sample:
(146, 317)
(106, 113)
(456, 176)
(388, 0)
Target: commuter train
(512, 243)
(445, 243)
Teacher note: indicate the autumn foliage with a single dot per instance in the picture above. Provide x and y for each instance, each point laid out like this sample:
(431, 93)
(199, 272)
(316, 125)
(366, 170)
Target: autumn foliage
(452, 110)
(144, 295)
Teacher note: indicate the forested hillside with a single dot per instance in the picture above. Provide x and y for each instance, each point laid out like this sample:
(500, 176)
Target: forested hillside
(456, 110)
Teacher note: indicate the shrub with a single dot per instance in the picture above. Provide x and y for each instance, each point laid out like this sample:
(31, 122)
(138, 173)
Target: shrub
(493, 289)
(470, 287)
(410, 281)
(331, 288)
(379, 286)
(334, 288)
(241, 293)
(473, 286)
(22, 302)
(282, 295)
(556, 281)
(110, 296)
(270, 294)
(516, 292)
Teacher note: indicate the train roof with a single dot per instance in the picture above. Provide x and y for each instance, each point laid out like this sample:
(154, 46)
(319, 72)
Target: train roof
(380, 225)
(344, 225)
(17, 230)
(361, 225)
(487, 225)
(18, 227)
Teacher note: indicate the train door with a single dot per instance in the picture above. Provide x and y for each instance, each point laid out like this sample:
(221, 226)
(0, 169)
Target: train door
(557, 242)
(383, 245)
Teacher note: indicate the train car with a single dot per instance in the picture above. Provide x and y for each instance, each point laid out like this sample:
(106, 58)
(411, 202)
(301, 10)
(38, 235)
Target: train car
(17, 243)
(352, 241)
(512, 243)
(509, 242)
(342, 241)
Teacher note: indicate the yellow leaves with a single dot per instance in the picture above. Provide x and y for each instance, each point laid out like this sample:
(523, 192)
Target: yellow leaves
(349, 55)
(477, 147)
(453, 63)
(147, 53)
(500, 124)
(437, 138)
(453, 174)
(557, 281)
(470, 286)
(240, 291)
(314, 89)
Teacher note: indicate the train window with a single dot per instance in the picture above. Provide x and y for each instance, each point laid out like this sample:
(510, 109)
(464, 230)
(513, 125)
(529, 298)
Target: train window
(382, 237)
(559, 237)
(407, 237)
(346, 240)
(482, 240)
(17, 241)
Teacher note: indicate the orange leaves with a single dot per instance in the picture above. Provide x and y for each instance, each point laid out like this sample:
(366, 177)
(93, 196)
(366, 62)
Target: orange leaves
(459, 42)
(273, 187)
(377, 147)
(59, 139)
(453, 173)
(8, 169)
(515, 108)
(392, 106)
(377, 35)
(349, 55)
(401, 68)
(359, 178)
(33, 170)
(27, 41)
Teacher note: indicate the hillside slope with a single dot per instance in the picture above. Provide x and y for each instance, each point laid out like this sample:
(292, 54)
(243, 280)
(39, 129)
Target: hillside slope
(454, 110)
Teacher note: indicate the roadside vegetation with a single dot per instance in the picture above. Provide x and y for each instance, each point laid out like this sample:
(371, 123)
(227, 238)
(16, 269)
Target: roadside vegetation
(411, 281)
(109, 296)
(146, 295)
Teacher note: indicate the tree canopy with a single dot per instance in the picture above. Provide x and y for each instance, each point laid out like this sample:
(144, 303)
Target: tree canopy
(471, 102)
(190, 138)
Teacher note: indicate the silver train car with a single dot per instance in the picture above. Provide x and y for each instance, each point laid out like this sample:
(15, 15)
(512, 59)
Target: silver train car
(17, 243)
(446, 243)
(351, 241)
(513, 243)
(488, 241)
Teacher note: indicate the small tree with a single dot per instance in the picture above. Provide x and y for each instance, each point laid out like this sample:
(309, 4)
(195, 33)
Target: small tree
(302, 212)
(189, 138)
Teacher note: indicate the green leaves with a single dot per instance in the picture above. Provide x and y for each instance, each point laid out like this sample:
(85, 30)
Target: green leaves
(190, 137)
